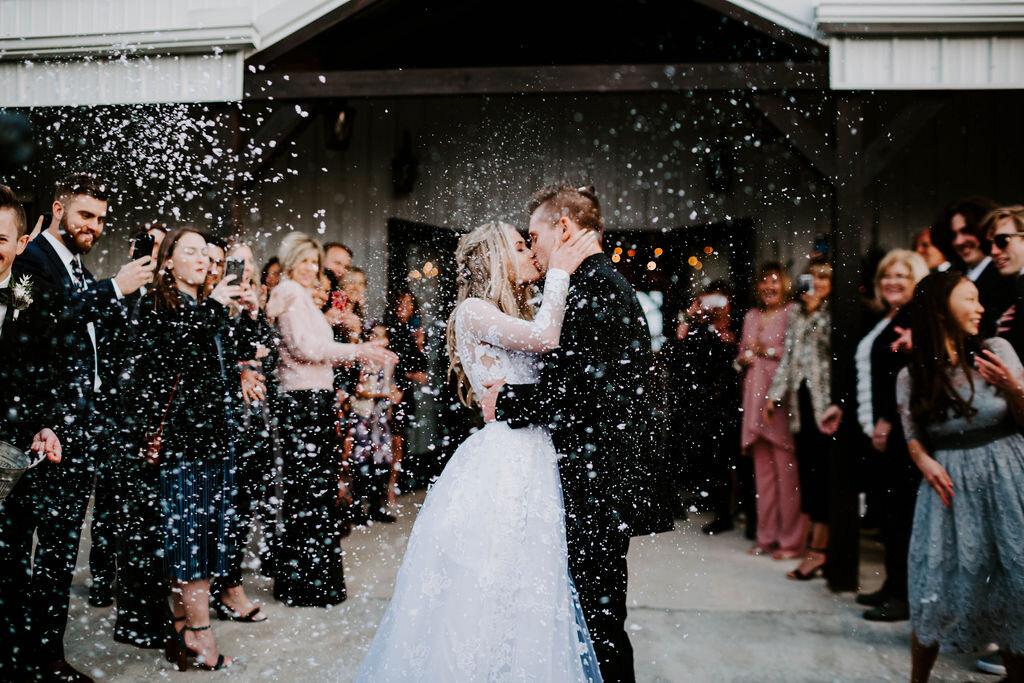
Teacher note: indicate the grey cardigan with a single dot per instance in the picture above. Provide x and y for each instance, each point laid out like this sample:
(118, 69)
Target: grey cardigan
(807, 356)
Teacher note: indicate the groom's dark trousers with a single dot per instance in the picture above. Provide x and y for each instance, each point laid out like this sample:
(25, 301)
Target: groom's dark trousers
(595, 395)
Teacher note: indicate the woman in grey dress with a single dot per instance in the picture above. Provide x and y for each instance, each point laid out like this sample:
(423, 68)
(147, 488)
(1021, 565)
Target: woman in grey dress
(962, 404)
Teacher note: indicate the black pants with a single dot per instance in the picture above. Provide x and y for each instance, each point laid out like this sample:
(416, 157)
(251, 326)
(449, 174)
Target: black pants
(897, 496)
(143, 616)
(51, 501)
(107, 515)
(308, 569)
(597, 562)
(812, 458)
(254, 475)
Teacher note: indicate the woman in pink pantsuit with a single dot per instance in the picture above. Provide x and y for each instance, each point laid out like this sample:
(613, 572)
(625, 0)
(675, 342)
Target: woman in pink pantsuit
(781, 526)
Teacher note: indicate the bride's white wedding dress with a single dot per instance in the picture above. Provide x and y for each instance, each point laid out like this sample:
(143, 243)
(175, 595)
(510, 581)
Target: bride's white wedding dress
(484, 591)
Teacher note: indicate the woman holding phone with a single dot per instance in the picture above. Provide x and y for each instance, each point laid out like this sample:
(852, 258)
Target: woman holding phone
(803, 381)
(180, 392)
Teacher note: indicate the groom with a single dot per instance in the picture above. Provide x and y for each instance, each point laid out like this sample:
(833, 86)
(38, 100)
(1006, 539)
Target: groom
(595, 395)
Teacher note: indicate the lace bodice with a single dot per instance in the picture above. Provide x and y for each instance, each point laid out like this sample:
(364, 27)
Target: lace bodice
(492, 345)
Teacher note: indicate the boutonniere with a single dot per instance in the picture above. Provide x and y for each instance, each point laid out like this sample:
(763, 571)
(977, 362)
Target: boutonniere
(21, 295)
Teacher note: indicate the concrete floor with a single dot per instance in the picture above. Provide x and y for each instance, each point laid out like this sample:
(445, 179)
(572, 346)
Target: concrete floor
(701, 609)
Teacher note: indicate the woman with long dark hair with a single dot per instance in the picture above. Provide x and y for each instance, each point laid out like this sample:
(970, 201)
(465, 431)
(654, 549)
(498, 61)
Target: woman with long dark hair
(181, 393)
(962, 407)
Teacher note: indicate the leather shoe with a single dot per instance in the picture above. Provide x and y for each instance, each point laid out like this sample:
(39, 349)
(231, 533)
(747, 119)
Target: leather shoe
(59, 671)
(893, 609)
(100, 595)
(718, 526)
(383, 517)
(875, 599)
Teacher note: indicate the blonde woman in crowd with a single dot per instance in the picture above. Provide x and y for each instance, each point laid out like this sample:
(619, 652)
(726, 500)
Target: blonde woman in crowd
(308, 567)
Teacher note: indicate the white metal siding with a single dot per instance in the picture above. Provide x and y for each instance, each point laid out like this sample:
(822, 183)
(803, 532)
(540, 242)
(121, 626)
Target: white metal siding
(151, 79)
(926, 63)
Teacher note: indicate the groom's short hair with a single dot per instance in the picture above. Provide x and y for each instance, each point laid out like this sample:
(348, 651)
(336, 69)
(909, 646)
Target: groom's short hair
(9, 201)
(575, 202)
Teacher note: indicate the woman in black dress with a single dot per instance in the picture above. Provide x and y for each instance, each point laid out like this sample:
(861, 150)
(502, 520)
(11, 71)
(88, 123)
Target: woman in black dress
(182, 393)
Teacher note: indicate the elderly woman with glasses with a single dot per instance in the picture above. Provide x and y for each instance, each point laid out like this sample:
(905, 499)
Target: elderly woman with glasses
(878, 363)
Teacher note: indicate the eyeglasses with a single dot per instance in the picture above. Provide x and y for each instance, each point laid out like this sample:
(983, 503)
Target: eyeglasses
(1002, 239)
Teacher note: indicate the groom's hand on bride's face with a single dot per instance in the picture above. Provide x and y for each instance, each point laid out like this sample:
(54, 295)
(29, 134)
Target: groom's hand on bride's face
(489, 400)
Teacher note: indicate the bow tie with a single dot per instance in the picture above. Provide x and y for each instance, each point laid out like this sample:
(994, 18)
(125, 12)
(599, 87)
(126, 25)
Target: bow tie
(6, 296)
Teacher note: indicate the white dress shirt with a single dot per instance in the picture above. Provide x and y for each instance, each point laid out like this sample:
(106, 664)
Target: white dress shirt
(974, 273)
(67, 258)
(3, 307)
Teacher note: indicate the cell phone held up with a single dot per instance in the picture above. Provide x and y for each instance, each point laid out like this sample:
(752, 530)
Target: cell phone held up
(805, 285)
(142, 247)
(236, 267)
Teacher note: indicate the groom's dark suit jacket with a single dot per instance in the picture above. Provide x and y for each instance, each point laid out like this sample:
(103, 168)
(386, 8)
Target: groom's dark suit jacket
(97, 303)
(595, 393)
(28, 358)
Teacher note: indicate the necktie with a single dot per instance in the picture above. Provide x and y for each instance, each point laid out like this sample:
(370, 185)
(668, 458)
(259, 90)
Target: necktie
(6, 297)
(78, 275)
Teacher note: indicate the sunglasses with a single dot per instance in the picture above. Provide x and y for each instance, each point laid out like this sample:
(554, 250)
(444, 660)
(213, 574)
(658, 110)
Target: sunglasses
(1002, 240)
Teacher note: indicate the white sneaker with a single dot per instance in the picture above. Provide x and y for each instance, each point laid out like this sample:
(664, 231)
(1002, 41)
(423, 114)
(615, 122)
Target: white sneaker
(991, 663)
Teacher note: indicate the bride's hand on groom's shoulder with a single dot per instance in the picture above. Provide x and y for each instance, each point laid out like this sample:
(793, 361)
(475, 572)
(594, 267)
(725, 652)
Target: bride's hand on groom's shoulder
(568, 255)
(489, 401)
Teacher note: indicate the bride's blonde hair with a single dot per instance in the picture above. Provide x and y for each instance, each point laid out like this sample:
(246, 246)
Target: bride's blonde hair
(486, 270)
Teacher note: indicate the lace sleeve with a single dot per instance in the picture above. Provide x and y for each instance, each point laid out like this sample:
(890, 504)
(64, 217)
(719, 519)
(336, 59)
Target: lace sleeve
(485, 322)
(1002, 348)
(903, 403)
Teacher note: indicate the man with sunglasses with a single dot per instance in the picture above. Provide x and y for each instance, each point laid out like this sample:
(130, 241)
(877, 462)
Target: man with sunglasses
(1005, 229)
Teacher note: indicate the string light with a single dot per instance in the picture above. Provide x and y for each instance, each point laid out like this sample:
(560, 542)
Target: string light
(651, 265)
(658, 251)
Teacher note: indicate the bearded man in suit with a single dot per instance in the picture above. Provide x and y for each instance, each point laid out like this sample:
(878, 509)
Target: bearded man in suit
(50, 501)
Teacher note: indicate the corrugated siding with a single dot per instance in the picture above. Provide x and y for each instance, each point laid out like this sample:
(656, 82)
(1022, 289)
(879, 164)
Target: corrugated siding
(30, 18)
(927, 62)
(150, 79)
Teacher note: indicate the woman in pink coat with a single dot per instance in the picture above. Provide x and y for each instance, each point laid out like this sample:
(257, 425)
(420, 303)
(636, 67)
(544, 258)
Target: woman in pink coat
(781, 526)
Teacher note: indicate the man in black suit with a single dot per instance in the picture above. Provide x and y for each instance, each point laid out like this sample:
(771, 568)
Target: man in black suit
(29, 413)
(51, 501)
(114, 349)
(595, 395)
(959, 230)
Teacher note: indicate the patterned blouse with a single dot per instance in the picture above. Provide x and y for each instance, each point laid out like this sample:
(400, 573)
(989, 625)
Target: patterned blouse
(807, 357)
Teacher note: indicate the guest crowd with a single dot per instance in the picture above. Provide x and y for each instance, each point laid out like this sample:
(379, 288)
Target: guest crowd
(195, 397)
(189, 400)
(938, 410)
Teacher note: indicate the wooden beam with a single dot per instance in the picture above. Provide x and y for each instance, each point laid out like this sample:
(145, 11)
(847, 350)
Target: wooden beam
(903, 129)
(769, 76)
(766, 26)
(309, 32)
(799, 133)
(848, 220)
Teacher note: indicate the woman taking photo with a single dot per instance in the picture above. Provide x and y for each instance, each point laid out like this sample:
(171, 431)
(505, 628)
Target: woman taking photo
(803, 381)
(181, 391)
(962, 406)
(781, 527)
(308, 569)
(878, 363)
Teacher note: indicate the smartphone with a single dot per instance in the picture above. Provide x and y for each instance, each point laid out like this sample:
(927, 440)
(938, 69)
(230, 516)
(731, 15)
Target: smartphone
(713, 301)
(142, 247)
(234, 266)
(805, 285)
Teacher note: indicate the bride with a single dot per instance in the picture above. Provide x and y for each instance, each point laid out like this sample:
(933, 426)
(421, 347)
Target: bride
(484, 591)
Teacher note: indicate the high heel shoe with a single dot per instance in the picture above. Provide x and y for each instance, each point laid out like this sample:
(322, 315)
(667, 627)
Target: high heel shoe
(814, 572)
(176, 651)
(225, 613)
(182, 664)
